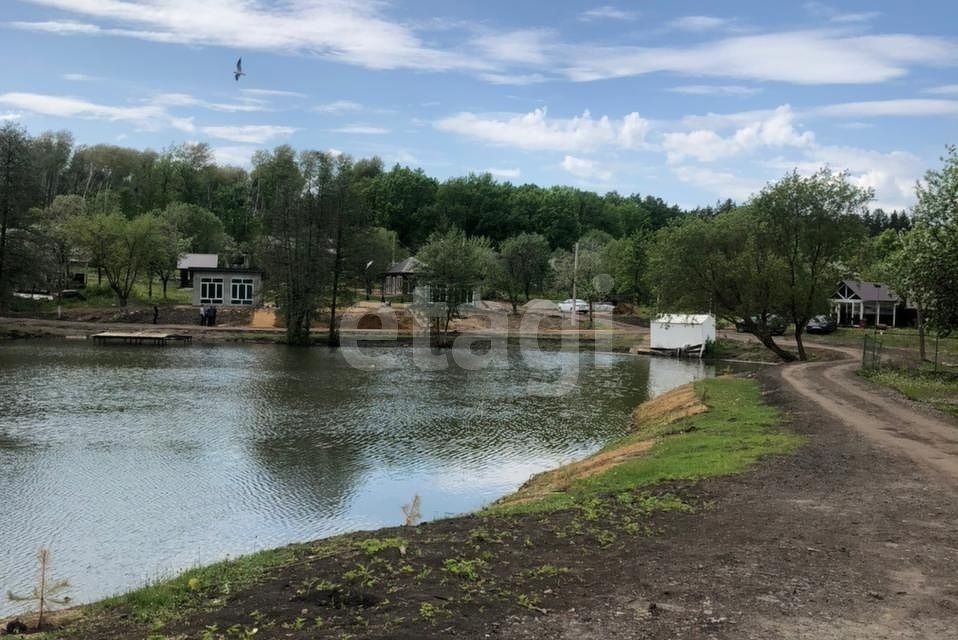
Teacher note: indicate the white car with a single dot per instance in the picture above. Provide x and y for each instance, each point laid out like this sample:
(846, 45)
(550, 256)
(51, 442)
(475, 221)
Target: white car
(580, 305)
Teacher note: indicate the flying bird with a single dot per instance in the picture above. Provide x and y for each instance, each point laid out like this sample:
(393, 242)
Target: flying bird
(239, 70)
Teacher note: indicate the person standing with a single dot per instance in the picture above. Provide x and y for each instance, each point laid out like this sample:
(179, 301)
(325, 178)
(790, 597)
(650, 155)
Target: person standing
(156, 313)
(202, 316)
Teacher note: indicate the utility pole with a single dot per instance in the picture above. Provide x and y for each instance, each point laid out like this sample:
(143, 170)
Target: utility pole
(575, 269)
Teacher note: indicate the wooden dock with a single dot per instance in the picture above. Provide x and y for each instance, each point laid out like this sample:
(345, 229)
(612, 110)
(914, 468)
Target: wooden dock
(157, 338)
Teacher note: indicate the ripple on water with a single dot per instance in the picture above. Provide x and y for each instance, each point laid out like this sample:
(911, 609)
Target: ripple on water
(133, 463)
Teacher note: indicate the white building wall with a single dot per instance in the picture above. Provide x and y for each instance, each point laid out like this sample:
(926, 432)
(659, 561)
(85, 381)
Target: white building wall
(676, 332)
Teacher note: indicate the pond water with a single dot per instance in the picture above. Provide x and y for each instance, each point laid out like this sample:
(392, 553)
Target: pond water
(132, 463)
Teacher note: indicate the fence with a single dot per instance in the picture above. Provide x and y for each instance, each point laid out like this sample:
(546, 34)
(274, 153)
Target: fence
(902, 350)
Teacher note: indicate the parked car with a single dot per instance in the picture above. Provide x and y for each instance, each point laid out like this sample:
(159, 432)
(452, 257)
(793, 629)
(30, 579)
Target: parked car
(580, 305)
(776, 325)
(821, 324)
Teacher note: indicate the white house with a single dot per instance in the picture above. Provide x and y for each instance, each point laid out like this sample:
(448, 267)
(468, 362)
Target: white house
(871, 303)
(674, 331)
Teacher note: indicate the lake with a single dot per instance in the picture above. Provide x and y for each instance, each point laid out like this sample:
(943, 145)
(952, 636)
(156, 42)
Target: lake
(132, 463)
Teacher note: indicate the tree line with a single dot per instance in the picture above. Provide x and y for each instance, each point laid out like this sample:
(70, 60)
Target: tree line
(323, 225)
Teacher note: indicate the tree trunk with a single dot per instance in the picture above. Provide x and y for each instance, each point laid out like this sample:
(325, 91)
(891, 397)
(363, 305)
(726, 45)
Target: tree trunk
(799, 332)
(920, 316)
(3, 260)
(337, 266)
(149, 286)
(165, 281)
(297, 326)
(769, 343)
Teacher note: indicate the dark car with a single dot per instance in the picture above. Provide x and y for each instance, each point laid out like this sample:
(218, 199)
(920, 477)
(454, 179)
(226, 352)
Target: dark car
(821, 324)
(776, 325)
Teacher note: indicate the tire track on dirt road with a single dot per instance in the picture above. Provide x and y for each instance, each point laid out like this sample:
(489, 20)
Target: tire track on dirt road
(892, 422)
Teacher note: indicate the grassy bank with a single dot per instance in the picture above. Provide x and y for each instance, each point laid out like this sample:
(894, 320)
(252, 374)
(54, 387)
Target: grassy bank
(529, 553)
(938, 389)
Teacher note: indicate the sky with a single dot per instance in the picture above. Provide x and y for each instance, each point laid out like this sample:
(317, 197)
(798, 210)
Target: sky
(693, 102)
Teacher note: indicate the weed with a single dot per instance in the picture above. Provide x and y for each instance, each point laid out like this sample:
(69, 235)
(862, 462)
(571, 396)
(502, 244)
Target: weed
(604, 538)
(361, 574)
(465, 569)
(372, 546)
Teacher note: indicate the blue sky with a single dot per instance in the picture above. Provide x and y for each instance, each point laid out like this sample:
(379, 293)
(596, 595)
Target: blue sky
(691, 101)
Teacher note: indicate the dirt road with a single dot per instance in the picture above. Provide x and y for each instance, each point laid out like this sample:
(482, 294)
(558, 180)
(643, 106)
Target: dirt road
(929, 440)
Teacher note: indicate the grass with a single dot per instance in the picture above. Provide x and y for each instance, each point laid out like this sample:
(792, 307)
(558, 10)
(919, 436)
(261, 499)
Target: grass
(939, 389)
(737, 430)
(165, 600)
(899, 338)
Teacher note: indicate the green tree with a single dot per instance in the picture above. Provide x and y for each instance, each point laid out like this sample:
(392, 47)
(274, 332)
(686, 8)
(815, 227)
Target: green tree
(168, 247)
(526, 262)
(199, 227)
(720, 264)
(585, 271)
(934, 242)
(454, 266)
(813, 222)
(291, 248)
(18, 192)
(625, 260)
(123, 247)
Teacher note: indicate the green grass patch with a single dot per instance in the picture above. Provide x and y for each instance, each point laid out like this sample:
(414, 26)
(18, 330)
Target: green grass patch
(736, 431)
(196, 589)
(937, 388)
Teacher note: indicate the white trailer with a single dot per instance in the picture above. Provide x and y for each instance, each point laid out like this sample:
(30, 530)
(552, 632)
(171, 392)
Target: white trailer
(682, 332)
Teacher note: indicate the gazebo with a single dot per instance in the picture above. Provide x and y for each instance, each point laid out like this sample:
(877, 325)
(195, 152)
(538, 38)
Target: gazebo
(400, 279)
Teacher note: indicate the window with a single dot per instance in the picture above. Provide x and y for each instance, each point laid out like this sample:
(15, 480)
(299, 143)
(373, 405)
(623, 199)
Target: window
(211, 290)
(241, 291)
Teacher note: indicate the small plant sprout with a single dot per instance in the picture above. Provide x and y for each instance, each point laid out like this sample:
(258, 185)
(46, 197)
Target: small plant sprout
(46, 591)
(412, 511)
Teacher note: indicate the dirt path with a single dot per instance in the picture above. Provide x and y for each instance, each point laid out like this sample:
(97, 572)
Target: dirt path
(929, 440)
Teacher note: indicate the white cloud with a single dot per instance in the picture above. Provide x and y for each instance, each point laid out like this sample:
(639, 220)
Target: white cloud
(279, 93)
(9, 117)
(723, 183)
(777, 130)
(252, 134)
(715, 90)
(535, 130)
(892, 175)
(797, 57)
(351, 32)
(361, 129)
(77, 77)
(945, 90)
(585, 169)
(234, 156)
(607, 12)
(337, 107)
(822, 10)
(186, 100)
(513, 79)
(504, 173)
(698, 23)
(874, 108)
(68, 107)
(523, 46)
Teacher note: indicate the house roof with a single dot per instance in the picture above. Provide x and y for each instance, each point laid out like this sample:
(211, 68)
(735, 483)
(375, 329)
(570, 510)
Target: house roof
(683, 318)
(197, 261)
(869, 291)
(225, 270)
(409, 265)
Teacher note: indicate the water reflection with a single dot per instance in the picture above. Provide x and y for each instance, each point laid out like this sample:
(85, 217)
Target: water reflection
(136, 462)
